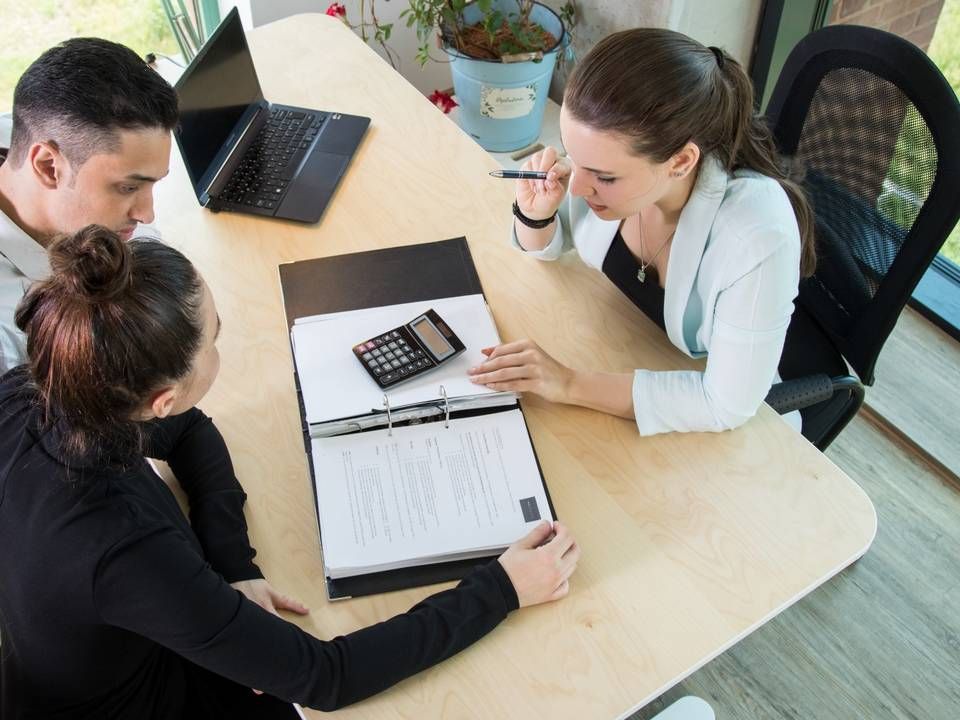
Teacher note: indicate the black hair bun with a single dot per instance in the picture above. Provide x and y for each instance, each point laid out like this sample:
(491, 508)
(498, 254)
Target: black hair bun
(93, 263)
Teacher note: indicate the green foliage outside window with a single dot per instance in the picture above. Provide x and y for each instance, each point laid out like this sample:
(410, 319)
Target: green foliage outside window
(32, 26)
(944, 50)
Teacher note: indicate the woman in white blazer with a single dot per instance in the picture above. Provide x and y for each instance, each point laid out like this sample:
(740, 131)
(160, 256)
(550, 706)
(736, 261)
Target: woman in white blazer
(671, 187)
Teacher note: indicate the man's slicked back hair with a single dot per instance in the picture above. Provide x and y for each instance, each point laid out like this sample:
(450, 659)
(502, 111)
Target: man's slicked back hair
(78, 94)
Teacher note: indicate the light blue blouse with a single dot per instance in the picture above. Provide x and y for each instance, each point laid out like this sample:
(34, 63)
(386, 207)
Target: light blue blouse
(732, 277)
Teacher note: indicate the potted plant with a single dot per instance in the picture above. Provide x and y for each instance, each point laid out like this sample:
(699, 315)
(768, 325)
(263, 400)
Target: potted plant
(502, 55)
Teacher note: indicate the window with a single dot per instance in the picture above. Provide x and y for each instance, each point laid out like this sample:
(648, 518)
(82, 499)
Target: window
(944, 50)
(31, 28)
(934, 27)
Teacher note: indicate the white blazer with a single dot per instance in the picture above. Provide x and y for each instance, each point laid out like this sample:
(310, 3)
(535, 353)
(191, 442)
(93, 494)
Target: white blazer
(732, 276)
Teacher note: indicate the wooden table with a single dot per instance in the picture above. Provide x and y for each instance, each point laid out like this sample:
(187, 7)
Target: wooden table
(690, 541)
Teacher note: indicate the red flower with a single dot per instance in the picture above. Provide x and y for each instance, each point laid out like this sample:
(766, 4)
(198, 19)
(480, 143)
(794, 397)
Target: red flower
(443, 100)
(337, 10)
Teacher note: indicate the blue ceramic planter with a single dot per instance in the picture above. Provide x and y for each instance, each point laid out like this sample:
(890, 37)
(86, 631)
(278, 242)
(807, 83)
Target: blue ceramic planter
(502, 104)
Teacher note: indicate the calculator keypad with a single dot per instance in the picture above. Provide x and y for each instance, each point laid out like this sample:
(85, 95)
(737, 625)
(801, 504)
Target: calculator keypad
(393, 357)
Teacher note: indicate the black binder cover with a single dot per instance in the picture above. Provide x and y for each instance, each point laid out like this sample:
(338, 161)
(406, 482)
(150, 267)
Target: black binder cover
(391, 276)
(410, 273)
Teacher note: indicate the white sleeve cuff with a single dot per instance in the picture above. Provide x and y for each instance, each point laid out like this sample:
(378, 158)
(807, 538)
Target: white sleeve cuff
(552, 251)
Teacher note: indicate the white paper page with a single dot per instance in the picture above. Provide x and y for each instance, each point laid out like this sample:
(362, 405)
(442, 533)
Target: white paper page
(412, 306)
(334, 383)
(426, 492)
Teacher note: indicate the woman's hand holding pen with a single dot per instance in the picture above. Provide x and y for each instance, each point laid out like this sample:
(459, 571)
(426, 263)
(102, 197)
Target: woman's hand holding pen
(523, 366)
(540, 564)
(540, 199)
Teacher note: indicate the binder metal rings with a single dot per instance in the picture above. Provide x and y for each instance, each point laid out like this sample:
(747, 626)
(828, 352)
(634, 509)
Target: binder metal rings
(446, 407)
(386, 404)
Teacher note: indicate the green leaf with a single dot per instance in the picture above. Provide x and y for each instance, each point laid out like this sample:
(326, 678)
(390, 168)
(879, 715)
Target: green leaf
(492, 23)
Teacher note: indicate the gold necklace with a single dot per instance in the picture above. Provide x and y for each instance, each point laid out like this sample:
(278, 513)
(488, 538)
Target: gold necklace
(642, 272)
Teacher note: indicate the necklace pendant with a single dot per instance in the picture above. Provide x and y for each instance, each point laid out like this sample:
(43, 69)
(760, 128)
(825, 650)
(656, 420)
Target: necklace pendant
(641, 275)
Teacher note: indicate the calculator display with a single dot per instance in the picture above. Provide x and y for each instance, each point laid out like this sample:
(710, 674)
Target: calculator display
(432, 338)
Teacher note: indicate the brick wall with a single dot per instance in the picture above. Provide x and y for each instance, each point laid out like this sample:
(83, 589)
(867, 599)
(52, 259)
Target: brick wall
(914, 20)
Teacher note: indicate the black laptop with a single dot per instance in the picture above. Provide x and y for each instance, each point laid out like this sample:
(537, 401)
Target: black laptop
(247, 155)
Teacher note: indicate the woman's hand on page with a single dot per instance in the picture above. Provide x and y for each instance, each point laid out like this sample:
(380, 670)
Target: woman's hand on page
(523, 366)
(540, 199)
(540, 564)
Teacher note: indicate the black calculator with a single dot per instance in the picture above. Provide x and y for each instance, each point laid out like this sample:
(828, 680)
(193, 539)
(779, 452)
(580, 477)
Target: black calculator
(409, 350)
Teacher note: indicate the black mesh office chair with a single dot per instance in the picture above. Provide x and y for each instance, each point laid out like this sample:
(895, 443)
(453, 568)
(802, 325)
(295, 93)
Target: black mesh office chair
(875, 129)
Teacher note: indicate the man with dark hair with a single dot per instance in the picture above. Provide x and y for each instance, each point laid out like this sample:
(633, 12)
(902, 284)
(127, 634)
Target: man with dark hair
(91, 136)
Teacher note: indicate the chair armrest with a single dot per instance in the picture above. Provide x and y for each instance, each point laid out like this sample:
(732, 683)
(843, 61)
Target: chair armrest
(803, 392)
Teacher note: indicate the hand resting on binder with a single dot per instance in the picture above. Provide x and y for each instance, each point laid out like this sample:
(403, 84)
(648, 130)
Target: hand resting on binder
(540, 564)
(130, 330)
(523, 366)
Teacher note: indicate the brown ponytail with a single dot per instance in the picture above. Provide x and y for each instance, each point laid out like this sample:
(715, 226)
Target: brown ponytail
(114, 322)
(663, 89)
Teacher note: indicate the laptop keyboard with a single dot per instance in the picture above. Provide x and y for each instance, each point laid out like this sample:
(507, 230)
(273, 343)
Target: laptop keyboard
(268, 165)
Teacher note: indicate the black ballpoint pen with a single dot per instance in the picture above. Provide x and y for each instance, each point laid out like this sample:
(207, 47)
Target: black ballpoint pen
(519, 174)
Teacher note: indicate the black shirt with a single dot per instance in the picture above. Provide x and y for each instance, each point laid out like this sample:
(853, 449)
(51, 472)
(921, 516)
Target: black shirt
(621, 267)
(107, 591)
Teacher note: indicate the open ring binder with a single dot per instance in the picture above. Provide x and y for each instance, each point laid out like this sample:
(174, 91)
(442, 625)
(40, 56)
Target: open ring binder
(336, 418)
(391, 416)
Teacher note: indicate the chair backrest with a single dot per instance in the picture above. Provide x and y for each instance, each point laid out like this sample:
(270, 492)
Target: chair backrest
(874, 129)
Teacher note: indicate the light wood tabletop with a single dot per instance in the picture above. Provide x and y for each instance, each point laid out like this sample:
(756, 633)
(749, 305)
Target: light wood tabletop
(690, 541)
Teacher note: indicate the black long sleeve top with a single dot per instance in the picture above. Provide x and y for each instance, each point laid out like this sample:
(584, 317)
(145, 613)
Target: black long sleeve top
(106, 588)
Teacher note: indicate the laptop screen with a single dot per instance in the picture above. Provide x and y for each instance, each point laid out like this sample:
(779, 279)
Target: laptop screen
(214, 92)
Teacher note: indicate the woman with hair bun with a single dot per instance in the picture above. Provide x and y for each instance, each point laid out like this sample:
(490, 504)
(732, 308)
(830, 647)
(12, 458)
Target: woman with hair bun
(112, 602)
(672, 188)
